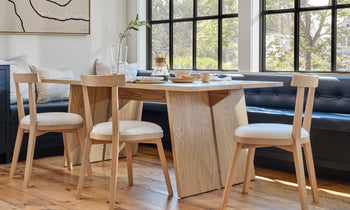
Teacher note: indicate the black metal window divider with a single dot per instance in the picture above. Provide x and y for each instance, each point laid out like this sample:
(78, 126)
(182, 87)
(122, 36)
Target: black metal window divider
(194, 21)
(296, 11)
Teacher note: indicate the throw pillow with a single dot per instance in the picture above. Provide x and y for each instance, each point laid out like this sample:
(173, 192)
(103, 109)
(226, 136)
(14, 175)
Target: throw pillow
(132, 70)
(102, 68)
(20, 65)
(47, 92)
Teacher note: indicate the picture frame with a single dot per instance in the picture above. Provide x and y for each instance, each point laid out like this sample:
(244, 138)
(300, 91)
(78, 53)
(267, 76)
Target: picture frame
(45, 17)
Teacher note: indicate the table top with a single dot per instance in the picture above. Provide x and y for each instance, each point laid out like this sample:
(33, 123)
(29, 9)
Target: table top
(187, 87)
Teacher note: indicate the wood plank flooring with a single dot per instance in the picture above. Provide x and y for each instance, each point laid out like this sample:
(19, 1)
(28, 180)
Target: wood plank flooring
(54, 187)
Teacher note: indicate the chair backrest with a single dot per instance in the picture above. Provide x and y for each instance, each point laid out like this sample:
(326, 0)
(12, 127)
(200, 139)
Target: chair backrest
(30, 79)
(302, 82)
(105, 81)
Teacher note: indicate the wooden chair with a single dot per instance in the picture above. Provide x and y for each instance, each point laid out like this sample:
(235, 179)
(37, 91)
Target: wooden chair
(288, 137)
(116, 132)
(39, 124)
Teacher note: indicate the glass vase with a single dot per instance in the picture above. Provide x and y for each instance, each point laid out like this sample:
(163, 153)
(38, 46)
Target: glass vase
(119, 55)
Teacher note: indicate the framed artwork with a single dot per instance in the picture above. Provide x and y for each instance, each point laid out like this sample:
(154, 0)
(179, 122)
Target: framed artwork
(45, 16)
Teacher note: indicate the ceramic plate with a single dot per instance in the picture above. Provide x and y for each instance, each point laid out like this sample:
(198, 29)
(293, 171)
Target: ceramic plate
(149, 78)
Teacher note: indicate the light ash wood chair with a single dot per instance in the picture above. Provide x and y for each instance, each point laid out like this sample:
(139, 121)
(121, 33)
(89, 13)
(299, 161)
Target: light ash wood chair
(288, 137)
(39, 124)
(117, 132)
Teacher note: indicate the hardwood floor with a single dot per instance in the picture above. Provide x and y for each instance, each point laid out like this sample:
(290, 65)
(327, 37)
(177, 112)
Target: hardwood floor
(54, 187)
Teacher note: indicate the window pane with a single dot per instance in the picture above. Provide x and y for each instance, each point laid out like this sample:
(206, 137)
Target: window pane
(343, 1)
(315, 3)
(280, 42)
(183, 8)
(343, 40)
(182, 45)
(160, 40)
(207, 44)
(279, 4)
(229, 6)
(160, 9)
(315, 41)
(207, 7)
(230, 43)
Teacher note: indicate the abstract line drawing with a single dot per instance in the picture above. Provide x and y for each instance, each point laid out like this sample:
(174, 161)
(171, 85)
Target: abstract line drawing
(19, 17)
(48, 16)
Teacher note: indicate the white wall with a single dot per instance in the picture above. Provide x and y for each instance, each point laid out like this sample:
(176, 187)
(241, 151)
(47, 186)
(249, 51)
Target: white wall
(108, 18)
(137, 41)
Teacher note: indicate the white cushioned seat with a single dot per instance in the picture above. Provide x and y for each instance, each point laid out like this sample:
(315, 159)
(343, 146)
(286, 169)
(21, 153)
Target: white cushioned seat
(268, 131)
(128, 129)
(55, 119)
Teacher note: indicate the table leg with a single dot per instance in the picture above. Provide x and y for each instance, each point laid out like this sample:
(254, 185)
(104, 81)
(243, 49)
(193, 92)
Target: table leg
(193, 143)
(229, 113)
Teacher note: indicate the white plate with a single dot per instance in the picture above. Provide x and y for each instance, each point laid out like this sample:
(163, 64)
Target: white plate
(149, 78)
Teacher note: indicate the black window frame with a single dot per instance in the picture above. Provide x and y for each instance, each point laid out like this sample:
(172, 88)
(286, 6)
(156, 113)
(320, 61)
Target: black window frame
(194, 20)
(296, 11)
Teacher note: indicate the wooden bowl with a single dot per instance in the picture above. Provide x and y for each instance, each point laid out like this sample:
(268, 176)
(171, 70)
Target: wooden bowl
(178, 73)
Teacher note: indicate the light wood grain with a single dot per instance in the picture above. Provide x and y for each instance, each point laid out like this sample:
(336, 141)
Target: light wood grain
(193, 144)
(229, 114)
(197, 106)
(55, 188)
(187, 87)
(34, 128)
(115, 136)
(293, 144)
(131, 110)
(199, 86)
(142, 94)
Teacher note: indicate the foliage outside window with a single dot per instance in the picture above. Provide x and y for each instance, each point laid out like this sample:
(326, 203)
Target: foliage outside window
(196, 34)
(306, 35)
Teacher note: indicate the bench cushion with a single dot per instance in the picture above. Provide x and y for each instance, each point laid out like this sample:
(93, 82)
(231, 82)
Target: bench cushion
(57, 106)
(320, 120)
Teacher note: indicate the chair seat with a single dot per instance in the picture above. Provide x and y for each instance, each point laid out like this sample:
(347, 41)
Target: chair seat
(129, 131)
(267, 133)
(54, 121)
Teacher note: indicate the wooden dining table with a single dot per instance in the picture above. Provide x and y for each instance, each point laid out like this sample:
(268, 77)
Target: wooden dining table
(202, 120)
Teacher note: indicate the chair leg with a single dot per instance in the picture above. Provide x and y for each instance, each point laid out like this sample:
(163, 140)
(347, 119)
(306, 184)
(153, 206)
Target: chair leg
(30, 156)
(85, 165)
(66, 151)
(250, 164)
(299, 170)
(311, 171)
(82, 146)
(129, 163)
(114, 174)
(230, 176)
(19, 139)
(164, 166)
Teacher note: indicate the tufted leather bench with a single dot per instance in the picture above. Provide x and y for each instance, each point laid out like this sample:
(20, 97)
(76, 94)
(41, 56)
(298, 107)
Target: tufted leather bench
(330, 127)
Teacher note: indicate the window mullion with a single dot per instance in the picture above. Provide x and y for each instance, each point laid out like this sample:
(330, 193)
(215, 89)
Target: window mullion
(194, 38)
(171, 35)
(296, 35)
(220, 36)
(149, 35)
(262, 35)
(334, 37)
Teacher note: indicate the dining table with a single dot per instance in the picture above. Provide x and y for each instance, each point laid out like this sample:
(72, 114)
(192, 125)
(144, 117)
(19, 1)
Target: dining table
(202, 121)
